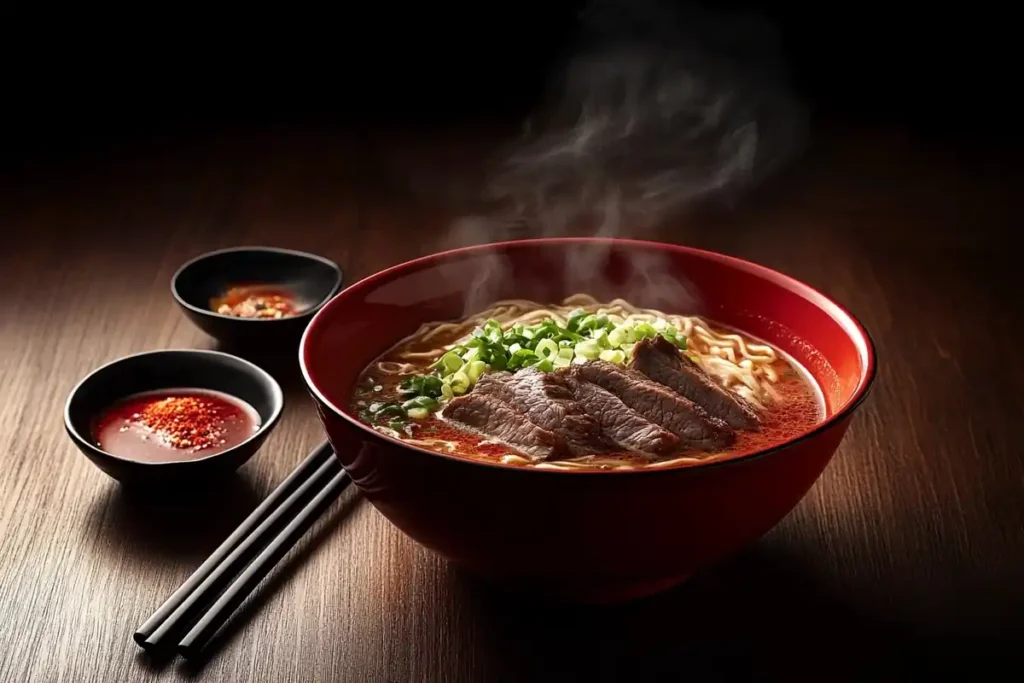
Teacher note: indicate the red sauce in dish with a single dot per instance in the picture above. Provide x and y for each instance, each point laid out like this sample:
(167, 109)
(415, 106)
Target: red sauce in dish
(174, 424)
(256, 301)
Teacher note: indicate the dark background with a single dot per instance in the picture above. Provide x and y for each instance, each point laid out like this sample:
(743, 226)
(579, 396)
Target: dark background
(909, 552)
(78, 79)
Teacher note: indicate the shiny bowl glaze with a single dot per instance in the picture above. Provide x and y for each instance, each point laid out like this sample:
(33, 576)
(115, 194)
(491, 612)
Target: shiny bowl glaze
(589, 536)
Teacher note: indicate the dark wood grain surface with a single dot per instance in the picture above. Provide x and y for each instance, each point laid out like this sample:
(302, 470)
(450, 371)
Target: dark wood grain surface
(907, 556)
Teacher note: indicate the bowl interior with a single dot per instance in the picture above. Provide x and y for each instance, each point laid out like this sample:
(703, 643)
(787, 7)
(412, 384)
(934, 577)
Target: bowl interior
(309, 277)
(372, 315)
(172, 369)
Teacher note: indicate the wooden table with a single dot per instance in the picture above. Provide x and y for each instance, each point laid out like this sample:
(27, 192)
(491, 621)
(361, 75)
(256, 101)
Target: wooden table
(908, 554)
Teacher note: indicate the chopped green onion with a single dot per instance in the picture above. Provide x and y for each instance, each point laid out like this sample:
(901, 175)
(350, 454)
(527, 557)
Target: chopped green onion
(521, 358)
(617, 337)
(613, 356)
(644, 330)
(419, 413)
(546, 348)
(492, 331)
(388, 410)
(573, 322)
(459, 382)
(546, 345)
(588, 350)
(425, 402)
(595, 322)
(450, 362)
(421, 385)
(475, 369)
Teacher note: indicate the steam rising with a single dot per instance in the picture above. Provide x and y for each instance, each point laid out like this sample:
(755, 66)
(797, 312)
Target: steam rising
(660, 107)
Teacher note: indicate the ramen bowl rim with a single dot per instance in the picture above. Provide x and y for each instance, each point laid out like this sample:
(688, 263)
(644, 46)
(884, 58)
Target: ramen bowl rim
(853, 329)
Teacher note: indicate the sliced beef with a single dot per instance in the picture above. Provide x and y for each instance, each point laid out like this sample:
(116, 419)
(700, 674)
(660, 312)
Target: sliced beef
(545, 400)
(659, 404)
(660, 360)
(620, 423)
(497, 420)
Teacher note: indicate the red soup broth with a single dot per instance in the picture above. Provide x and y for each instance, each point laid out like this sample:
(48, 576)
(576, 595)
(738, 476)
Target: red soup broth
(172, 425)
(800, 408)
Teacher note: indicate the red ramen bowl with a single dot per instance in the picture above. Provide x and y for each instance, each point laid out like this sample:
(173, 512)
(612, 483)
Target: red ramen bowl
(593, 536)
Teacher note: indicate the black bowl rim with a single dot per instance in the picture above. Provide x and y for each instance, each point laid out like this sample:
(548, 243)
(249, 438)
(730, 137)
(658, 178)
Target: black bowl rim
(261, 433)
(308, 313)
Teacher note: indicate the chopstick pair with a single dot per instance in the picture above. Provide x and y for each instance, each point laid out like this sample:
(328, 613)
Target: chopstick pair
(207, 598)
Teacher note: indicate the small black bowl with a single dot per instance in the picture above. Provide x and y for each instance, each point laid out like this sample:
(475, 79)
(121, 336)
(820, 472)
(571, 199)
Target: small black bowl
(312, 279)
(156, 370)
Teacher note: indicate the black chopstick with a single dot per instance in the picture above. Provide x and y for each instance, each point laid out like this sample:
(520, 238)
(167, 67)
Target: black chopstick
(195, 641)
(207, 590)
(238, 548)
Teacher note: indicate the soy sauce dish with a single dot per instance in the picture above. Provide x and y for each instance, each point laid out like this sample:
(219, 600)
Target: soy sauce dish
(255, 294)
(176, 414)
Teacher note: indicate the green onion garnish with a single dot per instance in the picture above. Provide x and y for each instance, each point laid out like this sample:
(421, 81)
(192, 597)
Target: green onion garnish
(547, 345)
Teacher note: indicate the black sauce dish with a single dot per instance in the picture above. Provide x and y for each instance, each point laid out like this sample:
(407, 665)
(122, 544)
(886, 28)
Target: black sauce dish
(312, 280)
(172, 369)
